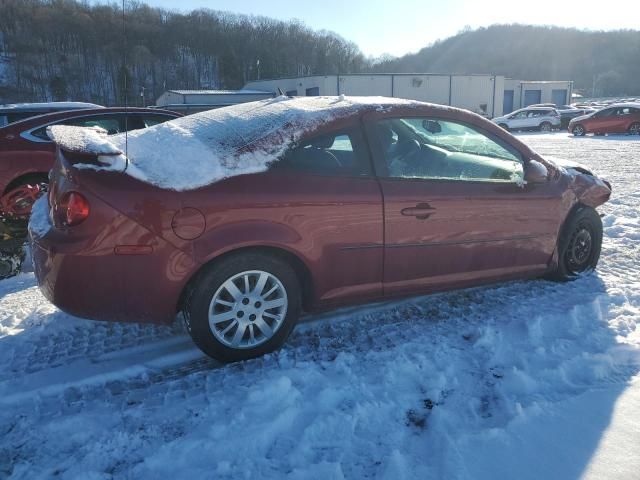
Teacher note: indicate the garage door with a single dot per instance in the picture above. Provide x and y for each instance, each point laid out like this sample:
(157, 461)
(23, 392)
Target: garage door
(559, 97)
(531, 97)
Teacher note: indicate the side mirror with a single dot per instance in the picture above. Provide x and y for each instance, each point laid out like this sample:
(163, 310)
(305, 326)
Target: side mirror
(431, 126)
(535, 172)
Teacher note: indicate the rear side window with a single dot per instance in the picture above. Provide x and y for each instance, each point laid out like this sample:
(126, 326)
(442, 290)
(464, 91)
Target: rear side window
(341, 153)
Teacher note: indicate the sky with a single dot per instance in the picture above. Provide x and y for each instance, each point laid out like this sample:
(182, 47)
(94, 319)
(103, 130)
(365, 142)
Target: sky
(397, 27)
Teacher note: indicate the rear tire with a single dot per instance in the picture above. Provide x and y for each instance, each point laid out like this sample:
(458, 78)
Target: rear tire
(545, 127)
(579, 245)
(634, 129)
(578, 131)
(232, 324)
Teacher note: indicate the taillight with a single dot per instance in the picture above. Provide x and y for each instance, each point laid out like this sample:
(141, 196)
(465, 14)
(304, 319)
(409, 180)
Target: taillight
(73, 209)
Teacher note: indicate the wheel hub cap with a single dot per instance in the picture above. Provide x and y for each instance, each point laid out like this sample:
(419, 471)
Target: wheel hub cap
(580, 248)
(248, 309)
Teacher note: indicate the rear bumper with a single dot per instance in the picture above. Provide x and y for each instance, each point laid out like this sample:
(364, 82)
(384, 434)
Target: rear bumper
(86, 278)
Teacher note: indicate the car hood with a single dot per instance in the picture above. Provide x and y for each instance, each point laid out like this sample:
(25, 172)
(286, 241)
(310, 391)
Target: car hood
(581, 117)
(499, 119)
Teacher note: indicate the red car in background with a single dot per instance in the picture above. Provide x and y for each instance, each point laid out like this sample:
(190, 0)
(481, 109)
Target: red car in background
(618, 118)
(27, 153)
(243, 217)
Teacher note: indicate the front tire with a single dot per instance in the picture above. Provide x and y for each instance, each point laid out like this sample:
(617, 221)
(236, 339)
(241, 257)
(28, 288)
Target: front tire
(243, 306)
(504, 126)
(579, 245)
(578, 131)
(634, 129)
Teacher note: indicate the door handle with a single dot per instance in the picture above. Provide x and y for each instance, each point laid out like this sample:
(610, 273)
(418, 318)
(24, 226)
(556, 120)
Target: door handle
(422, 211)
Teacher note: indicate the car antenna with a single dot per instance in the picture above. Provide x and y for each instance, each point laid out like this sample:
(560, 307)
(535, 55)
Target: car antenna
(124, 75)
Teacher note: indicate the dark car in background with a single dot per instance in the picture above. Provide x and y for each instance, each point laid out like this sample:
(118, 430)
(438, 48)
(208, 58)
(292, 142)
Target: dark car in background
(27, 153)
(617, 118)
(20, 111)
(567, 112)
(300, 204)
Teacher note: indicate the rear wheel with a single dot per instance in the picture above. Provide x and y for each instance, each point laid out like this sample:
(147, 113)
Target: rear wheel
(579, 244)
(243, 306)
(578, 131)
(545, 127)
(634, 129)
(10, 263)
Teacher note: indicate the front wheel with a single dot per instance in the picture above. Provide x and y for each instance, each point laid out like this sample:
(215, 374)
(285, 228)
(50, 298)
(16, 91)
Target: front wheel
(634, 129)
(504, 126)
(545, 127)
(579, 244)
(243, 306)
(578, 131)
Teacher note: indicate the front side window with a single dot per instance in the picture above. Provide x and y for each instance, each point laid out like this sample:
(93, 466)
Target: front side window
(445, 150)
(605, 113)
(151, 120)
(340, 153)
(519, 115)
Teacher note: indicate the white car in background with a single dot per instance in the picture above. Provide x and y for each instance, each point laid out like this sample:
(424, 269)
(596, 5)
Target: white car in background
(544, 119)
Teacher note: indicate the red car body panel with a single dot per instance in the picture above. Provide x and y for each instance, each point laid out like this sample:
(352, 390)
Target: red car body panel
(346, 236)
(20, 156)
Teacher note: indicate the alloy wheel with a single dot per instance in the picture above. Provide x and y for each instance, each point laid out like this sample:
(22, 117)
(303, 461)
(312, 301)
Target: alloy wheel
(248, 309)
(634, 129)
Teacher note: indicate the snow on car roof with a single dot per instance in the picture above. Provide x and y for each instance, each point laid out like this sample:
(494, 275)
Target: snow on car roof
(48, 105)
(203, 148)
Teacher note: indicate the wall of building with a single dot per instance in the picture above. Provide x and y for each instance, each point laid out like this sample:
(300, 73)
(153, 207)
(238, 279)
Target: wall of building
(478, 93)
(545, 88)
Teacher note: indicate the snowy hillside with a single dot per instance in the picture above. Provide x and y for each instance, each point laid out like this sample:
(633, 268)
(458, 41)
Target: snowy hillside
(526, 380)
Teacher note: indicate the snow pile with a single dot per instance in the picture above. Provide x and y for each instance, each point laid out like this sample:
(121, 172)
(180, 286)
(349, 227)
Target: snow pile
(39, 222)
(204, 148)
(91, 140)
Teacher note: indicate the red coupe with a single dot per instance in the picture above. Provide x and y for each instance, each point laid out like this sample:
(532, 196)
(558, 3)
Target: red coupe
(619, 118)
(244, 217)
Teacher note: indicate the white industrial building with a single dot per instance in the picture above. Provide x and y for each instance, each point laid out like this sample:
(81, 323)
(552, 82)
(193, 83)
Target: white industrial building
(488, 95)
(192, 101)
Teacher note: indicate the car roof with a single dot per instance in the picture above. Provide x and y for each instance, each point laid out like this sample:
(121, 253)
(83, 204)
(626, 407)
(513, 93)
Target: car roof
(63, 115)
(624, 104)
(242, 138)
(45, 107)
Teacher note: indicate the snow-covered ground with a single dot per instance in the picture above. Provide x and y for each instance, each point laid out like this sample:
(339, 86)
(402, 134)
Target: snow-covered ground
(526, 380)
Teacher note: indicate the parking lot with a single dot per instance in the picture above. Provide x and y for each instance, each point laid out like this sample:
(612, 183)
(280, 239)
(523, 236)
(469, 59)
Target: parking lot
(444, 386)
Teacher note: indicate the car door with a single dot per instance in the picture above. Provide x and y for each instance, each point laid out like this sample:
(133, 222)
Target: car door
(518, 120)
(456, 209)
(602, 121)
(334, 201)
(620, 120)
